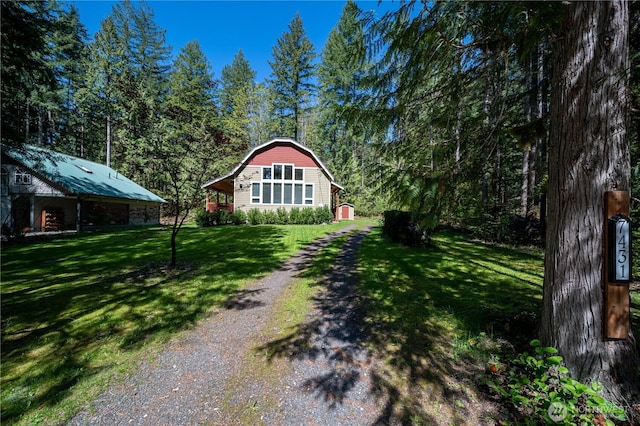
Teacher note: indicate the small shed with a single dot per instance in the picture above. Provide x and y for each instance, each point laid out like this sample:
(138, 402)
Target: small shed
(346, 211)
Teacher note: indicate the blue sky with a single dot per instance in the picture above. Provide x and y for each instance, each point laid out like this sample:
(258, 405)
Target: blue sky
(224, 27)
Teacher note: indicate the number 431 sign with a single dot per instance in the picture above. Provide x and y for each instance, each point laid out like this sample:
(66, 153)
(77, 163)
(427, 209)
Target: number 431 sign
(619, 249)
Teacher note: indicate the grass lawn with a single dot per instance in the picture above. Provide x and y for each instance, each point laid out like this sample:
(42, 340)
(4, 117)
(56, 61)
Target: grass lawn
(438, 316)
(78, 312)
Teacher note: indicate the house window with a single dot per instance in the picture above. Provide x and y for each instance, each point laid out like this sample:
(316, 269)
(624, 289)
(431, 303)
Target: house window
(277, 193)
(287, 193)
(266, 193)
(255, 193)
(282, 184)
(308, 194)
(22, 177)
(297, 194)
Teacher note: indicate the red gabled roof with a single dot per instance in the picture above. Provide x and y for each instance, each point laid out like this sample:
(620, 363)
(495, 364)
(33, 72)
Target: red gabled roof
(270, 146)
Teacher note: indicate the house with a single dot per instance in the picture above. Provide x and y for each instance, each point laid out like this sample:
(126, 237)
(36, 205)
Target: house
(279, 173)
(43, 190)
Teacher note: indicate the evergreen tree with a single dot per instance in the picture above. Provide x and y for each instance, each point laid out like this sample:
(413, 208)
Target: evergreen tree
(100, 97)
(588, 155)
(291, 78)
(142, 85)
(342, 141)
(237, 97)
(27, 79)
(68, 62)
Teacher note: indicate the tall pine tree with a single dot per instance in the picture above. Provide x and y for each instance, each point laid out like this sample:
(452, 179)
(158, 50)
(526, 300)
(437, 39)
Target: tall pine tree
(237, 95)
(291, 79)
(342, 140)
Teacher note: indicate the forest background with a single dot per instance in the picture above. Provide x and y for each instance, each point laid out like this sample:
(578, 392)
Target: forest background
(440, 109)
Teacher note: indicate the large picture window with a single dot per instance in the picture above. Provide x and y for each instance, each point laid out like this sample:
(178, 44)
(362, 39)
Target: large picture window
(282, 184)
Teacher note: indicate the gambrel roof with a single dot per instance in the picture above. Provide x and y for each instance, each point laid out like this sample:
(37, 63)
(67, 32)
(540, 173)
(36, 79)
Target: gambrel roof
(224, 183)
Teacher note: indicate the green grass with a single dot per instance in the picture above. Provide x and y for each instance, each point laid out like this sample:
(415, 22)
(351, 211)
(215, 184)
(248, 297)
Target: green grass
(435, 317)
(78, 312)
(462, 286)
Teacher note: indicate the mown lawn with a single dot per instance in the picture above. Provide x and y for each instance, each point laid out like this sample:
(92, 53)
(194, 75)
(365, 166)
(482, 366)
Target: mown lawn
(440, 316)
(78, 312)
(437, 316)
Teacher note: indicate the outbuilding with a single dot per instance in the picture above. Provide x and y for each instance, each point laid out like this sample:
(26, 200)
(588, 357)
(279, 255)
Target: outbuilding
(346, 211)
(44, 190)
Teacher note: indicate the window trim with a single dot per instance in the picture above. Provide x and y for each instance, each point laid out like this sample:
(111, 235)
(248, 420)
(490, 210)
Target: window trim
(24, 179)
(278, 195)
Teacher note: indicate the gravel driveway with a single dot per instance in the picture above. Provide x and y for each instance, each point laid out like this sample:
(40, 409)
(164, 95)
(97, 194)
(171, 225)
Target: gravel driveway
(233, 369)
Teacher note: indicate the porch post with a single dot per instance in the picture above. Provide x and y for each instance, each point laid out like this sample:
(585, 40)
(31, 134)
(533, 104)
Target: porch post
(78, 215)
(32, 212)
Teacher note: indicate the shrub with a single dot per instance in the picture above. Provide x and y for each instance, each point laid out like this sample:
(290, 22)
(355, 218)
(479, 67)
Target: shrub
(295, 217)
(323, 215)
(221, 217)
(269, 217)
(282, 216)
(239, 217)
(307, 217)
(400, 228)
(540, 391)
(205, 218)
(254, 216)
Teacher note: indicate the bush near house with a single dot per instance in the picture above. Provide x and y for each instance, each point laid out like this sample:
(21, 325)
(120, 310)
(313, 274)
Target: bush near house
(296, 216)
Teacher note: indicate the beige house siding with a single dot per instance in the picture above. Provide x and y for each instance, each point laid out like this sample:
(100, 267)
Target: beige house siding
(250, 174)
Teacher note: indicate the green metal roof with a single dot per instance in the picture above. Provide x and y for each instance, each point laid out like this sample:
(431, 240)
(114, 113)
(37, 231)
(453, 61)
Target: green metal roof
(78, 176)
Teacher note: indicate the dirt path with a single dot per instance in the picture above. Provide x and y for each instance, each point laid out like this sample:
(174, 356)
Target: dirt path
(228, 370)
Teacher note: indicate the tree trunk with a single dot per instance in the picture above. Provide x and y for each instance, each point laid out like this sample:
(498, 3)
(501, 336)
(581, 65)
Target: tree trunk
(588, 155)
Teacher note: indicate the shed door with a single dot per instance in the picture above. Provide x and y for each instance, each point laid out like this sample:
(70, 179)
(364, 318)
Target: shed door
(345, 212)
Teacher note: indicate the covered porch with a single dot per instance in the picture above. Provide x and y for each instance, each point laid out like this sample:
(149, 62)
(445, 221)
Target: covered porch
(220, 196)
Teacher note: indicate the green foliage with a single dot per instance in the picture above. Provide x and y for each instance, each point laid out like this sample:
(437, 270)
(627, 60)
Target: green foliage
(204, 218)
(307, 216)
(291, 77)
(269, 217)
(282, 216)
(254, 216)
(400, 227)
(323, 215)
(238, 217)
(540, 390)
(295, 215)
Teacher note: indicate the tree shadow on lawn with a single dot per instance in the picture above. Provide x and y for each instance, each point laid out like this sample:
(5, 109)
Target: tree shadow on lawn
(415, 324)
(121, 296)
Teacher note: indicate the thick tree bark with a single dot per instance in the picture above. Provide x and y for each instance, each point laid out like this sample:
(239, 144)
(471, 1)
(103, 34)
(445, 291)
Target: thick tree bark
(588, 155)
